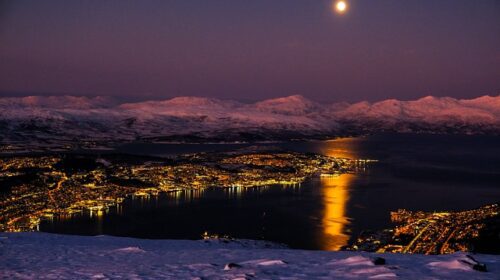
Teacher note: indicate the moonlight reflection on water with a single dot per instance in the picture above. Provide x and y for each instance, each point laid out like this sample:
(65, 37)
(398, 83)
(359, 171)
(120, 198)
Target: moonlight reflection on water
(335, 197)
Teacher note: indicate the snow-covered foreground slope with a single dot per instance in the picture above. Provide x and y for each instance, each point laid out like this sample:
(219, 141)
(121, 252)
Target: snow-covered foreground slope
(41, 255)
(77, 119)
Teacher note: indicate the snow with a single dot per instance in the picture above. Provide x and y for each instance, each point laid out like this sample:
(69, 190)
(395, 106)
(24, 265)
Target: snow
(51, 256)
(291, 105)
(101, 119)
(452, 264)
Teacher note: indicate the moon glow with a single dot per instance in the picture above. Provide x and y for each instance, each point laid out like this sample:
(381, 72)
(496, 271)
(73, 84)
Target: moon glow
(341, 7)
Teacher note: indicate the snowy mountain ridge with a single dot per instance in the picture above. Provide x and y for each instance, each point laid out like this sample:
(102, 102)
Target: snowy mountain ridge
(102, 119)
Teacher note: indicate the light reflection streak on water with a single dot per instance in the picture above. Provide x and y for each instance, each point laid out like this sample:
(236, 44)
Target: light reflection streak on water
(342, 148)
(335, 190)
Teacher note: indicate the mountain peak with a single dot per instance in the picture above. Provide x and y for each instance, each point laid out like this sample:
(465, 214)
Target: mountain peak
(296, 98)
(427, 98)
(289, 105)
(192, 100)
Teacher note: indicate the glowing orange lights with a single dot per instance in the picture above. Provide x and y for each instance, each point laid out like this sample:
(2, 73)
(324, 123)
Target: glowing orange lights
(336, 196)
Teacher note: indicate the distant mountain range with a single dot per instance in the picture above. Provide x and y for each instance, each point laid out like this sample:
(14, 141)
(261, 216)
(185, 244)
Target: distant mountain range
(37, 119)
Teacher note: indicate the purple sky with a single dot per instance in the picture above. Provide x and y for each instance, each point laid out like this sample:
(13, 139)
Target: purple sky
(250, 50)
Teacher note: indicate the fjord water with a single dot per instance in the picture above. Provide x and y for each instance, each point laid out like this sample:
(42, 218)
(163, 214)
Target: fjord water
(416, 172)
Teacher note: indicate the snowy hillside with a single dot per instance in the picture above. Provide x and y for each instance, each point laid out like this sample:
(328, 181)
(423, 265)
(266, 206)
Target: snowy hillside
(42, 255)
(69, 118)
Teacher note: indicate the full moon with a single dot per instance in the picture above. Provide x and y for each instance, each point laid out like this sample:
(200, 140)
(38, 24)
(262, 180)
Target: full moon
(341, 6)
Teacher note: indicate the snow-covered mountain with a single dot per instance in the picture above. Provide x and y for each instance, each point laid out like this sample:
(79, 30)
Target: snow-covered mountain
(101, 119)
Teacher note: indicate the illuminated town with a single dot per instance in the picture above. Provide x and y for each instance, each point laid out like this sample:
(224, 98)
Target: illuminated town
(41, 187)
(433, 233)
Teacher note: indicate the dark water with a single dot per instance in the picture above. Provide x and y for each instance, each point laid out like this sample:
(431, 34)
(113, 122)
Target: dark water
(417, 172)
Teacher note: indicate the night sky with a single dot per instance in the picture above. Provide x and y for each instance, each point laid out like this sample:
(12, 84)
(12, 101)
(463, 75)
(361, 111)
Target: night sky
(251, 50)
